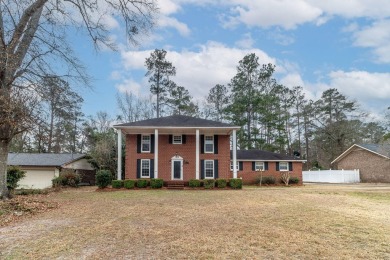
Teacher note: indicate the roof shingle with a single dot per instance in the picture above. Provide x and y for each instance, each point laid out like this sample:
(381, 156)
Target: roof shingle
(262, 155)
(42, 159)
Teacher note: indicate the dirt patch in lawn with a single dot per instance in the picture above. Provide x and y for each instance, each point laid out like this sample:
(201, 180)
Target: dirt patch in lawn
(308, 222)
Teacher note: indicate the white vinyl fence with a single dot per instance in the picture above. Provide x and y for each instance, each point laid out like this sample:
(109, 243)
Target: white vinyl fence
(332, 176)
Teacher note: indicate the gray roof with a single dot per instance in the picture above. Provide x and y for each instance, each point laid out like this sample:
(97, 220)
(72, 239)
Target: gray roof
(382, 149)
(261, 155)
(42, 159)
(176, 121)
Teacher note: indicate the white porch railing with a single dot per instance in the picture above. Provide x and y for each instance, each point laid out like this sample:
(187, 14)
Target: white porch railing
(332, 176)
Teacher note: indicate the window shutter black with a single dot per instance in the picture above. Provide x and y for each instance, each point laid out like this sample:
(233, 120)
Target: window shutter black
(215, 169)
(240, 166)
(266, 166)
(201, 143)
(138, 143)
(151, 143)
(253, 166)
(277, 166)
(138, 168)
(202, 169)
(215, 144)
(290, 166)
(183, 139)
(170, 139)
(151, 167)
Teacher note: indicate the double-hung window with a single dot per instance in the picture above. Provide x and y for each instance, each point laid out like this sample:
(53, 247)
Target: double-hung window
(145, 168)
(259, 166)
(209, 144)
(209, 169)
(237, 166)
(145, 144)
(283, 166)
(177, 139)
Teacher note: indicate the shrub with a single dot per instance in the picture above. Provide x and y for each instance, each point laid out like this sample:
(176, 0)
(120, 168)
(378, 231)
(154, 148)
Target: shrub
(294, 180)
(142, 183)
(14, 175)
(31, 191)
(129, 184)
(209, 183)
(194, 183)
(117, 184)
(57, 182)
(268, 180)
(103, 178)
(285, 177)
(156, 183)
(221, 183)
(235, 183)
(69, 178)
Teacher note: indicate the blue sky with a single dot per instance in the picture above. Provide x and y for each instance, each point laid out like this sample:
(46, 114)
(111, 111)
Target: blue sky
(314, 44)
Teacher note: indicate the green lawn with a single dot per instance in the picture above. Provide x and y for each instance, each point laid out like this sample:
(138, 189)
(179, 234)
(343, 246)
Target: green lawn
(308, 222)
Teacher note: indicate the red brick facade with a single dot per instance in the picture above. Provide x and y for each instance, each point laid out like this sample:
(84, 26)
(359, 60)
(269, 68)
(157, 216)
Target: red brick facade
(251, 177)
(187, 151)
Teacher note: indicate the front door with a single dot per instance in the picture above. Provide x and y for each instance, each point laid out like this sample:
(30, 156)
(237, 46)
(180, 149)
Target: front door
(177, 169)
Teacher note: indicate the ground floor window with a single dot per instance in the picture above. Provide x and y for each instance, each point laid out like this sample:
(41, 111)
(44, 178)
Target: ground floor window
(259, 166)
(145, 168)
(283, 166)
(209, 169)
(237, 166)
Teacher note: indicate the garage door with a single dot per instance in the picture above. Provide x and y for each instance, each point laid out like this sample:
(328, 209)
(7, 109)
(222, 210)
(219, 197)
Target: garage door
(37, 179)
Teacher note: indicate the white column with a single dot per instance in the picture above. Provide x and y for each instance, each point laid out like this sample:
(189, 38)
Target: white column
(234, 154)
(197, 155)
(119, 132)
(155, 153)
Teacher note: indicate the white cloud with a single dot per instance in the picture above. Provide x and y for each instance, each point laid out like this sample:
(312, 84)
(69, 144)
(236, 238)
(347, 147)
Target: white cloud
(129, 86)
(246, 42)
(182, 28)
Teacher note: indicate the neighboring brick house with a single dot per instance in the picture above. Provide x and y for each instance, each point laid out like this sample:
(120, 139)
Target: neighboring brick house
(252, 163)
(177, 148)
(372, 160)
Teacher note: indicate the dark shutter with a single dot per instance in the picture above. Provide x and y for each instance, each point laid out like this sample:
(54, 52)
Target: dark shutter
(151, 143)
(201, 143)
(290, 166)
(253, 166)
(170, 139)
(240, 166)
(202, 169)
(215, 144)
(138, 168)
(138, 143)
(265, 166)
(151, 167)
(183, 139)
(277, 166)
(215, 169)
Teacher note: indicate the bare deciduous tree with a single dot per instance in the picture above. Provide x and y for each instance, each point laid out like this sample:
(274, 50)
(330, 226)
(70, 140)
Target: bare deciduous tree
(34, 43)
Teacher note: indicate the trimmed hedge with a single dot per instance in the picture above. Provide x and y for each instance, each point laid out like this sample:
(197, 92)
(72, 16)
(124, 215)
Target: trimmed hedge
(129, 184)
(293, 180)
(103, 178)
(268, 180)
(209, 183)
(221, 183)
(117, 184)
(142, 183)
(156, 183)
(235, 183)
(194, 183)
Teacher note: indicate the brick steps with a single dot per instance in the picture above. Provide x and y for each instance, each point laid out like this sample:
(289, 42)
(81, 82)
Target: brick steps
(175, 186)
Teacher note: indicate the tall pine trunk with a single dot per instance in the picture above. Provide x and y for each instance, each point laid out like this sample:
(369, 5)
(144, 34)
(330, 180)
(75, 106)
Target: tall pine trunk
(4, 148)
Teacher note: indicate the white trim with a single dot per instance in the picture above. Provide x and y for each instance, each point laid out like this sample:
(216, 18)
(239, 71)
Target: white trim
(176, 127)
(140, 169)
(262, 164)
(150, 143)
(341, 156)
(197, 155)
(179, 159)
(119, 161)
(173, 139)
(288, 168)
(237, 166)
(205, 163)
(234, 153)
(256, 160)
(156, 153)
(204, 145)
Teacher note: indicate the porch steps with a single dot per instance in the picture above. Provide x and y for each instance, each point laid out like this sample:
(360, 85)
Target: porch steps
(175, 186)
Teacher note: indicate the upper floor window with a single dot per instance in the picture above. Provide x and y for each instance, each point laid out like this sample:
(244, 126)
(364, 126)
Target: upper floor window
(209, 144)
(177, 139)
(283, 166)
(145, 144)
(259, 166)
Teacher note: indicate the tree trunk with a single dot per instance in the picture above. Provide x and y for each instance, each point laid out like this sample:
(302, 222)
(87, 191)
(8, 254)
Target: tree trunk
(4, 147)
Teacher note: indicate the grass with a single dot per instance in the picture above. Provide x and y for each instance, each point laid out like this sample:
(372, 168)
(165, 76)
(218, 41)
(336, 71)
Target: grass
(309, 222)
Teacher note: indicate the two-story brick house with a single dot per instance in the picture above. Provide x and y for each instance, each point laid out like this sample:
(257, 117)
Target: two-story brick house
(181, 148)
